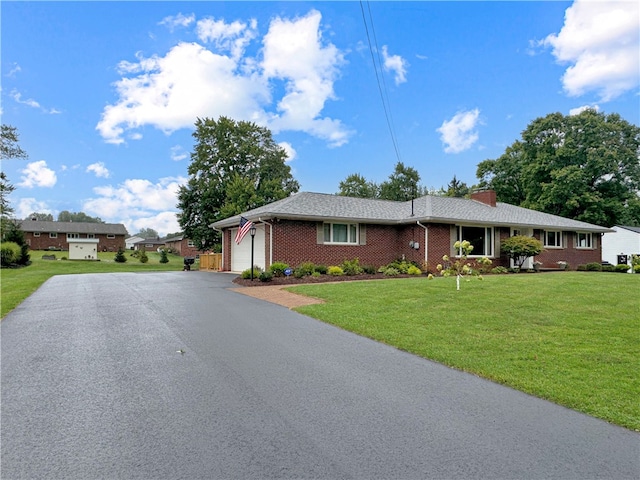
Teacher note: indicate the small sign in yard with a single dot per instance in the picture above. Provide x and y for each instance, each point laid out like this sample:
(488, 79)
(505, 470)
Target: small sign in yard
(288, 271)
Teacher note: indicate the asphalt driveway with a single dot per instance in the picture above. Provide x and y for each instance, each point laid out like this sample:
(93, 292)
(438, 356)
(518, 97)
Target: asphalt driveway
(172, 375)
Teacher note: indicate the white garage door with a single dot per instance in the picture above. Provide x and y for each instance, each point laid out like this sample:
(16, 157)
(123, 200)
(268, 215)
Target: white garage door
(241, 254)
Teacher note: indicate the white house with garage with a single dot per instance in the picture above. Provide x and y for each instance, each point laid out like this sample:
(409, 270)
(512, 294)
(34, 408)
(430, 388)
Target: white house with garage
(622, 241)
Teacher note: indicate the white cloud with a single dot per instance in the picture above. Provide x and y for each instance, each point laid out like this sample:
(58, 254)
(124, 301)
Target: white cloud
(163, 223)
(30, 102)
(180, 20)
(291, 152)
(14, 70)
(395, 64)
(294, 52)
(37, 174)
(579, 110)
(459, 134)
(178, 154)
(136, 200)
(27, 206)
(601, 42)
(191, 81)
(98, 169)
(232, 37)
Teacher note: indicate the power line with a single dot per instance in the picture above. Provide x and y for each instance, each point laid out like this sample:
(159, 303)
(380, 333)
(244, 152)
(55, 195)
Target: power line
(383, 91)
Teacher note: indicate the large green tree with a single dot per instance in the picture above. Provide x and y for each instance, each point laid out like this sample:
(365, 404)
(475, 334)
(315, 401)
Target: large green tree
(9, 148)
(585, 167)
(147, 233)
(67, 216)
(402, 185)
(355, 185)
(235, 166)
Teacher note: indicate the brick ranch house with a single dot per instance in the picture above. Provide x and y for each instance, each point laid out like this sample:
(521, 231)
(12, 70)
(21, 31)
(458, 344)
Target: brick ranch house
(328, 229)
(45, 235)
(183, 246)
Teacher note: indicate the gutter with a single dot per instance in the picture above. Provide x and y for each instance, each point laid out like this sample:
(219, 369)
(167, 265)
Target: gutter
(426, 240)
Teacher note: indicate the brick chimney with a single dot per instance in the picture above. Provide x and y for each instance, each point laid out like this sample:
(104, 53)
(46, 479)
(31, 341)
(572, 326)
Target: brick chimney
(487, 197)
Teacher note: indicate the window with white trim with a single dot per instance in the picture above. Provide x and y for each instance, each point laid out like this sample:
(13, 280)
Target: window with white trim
(191, 243)
(91, 235)
(36, 234)
(552, 238)
(53, 234)
(111, 235)
(584, 240)
(341, 233)
(72, 235)
(480, 237)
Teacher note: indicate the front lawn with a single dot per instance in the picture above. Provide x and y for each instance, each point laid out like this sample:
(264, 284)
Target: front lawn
(18, 283)
(570, 337)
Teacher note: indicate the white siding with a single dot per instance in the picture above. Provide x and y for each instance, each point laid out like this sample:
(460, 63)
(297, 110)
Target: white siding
(623, 241)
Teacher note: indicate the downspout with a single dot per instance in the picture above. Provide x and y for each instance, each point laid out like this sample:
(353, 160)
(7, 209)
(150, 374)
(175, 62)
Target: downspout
(270, 241)
(426, 240)
(222, 237)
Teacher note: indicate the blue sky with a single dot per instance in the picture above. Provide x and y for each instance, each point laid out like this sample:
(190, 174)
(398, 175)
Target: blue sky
(105, 94)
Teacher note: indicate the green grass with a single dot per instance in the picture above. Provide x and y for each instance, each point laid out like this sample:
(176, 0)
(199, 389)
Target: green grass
(572, 337)
(17, 284)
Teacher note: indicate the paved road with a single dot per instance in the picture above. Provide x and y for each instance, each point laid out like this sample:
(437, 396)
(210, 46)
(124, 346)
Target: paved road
(93, 386)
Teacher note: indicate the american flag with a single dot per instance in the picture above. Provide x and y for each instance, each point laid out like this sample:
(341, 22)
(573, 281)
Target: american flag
(245, 226)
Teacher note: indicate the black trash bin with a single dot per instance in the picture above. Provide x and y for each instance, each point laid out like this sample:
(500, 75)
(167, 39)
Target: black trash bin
(188, 261)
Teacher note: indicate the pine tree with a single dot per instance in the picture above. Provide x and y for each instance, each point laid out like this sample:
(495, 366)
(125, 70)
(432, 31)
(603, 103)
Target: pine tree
(120, 258)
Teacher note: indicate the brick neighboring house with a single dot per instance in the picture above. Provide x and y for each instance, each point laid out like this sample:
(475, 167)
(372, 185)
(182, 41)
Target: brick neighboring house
(45, 235)
(328, 229)
(181, 245)
(149, 244)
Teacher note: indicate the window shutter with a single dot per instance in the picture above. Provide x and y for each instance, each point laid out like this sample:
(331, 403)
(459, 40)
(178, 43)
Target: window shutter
(363, 234)
(320, 233)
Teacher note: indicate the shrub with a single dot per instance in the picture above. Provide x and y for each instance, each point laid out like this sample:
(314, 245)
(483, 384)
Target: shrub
(499, 270)
(636, 269)
(369, 269)
(246, 274)
(622, 268)
(120, 258)
(582, 268)
(320, 269)
(305, 268)
(413, 270)
(391, 272)
(163, 256)
(352, 267)
(316, 274)
(335, 271)
(9, 253)
(607, 268)
(143, 257)
(265, 276)
(277, 269)
(136, 253)
(594, 267)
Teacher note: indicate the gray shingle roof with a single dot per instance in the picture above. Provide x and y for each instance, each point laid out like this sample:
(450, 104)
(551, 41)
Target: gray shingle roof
(427, 209)
(73, 227)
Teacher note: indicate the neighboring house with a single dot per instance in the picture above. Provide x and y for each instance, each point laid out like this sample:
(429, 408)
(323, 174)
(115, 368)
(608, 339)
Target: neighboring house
(181, 245)
(131, 241)
(622, 241)
(44, 235)
(328, 229)
(149, 244)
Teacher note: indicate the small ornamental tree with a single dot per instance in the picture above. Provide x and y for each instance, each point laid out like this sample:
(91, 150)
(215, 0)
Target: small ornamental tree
(163, 256)
(460, 267)
(120, 258)
(520, 247)
(143, 256)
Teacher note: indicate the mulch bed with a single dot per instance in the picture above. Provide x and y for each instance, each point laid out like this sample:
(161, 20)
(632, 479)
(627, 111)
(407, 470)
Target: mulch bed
(291, 280)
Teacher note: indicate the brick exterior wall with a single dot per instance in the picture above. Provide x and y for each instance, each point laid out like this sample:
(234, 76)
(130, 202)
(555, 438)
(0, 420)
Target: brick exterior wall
(295, 242)
(182, 248)
(43, 242)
